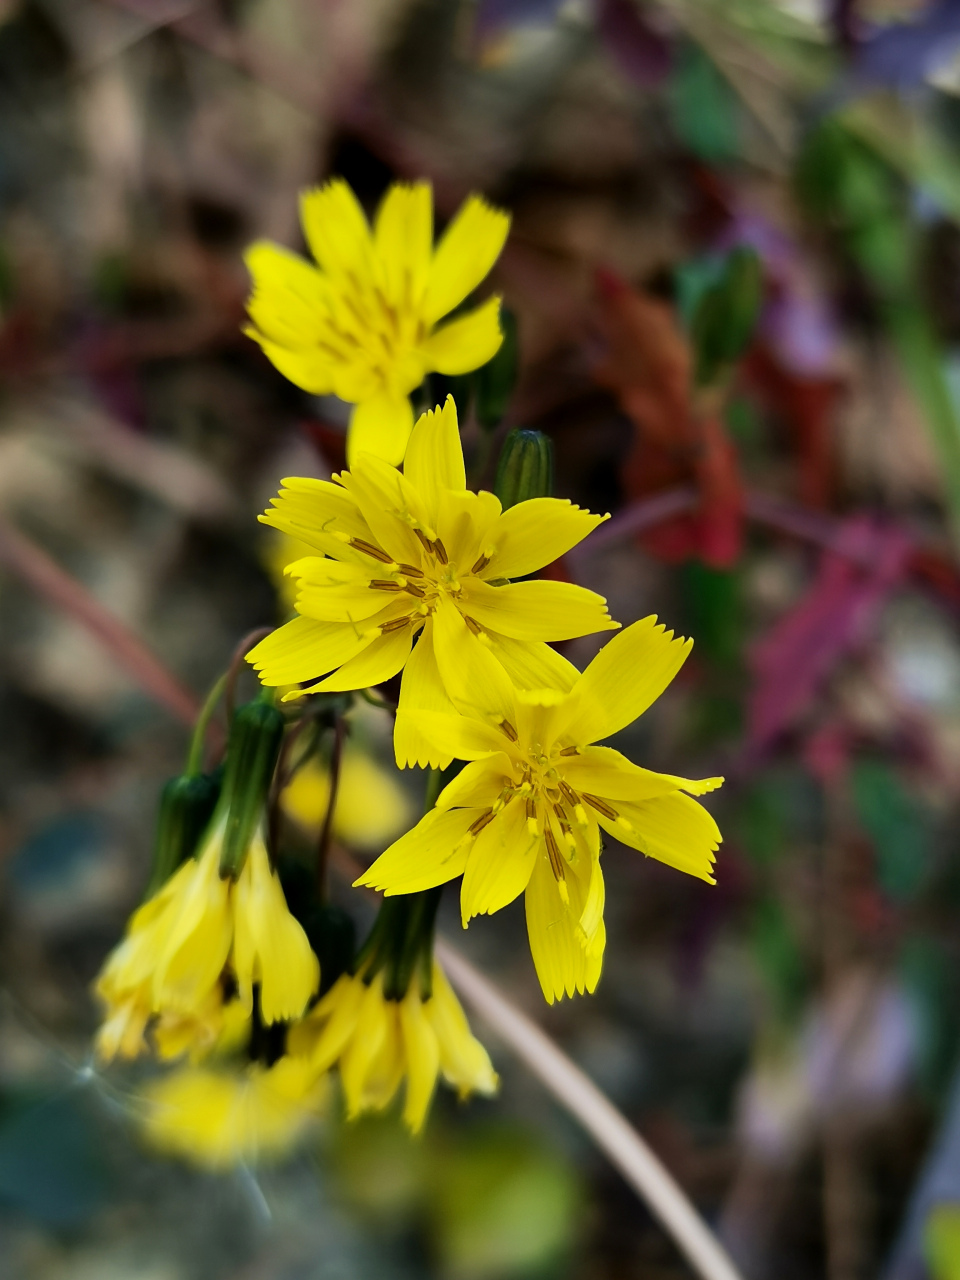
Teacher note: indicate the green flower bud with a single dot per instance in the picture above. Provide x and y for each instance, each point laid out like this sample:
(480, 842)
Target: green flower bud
(496, 379)
(525, 468)
(252, 750)
(186, 805)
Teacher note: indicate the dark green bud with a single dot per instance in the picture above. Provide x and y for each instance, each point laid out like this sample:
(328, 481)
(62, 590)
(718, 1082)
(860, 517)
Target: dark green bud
(525, 468)
(252, 750)
(726, 315)
(186, 806)
(401, 943)
(496, 379)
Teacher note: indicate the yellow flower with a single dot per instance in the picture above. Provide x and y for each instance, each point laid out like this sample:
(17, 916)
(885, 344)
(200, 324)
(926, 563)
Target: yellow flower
(196, 931)
(419, 555)
(364, 325)
(221, 1118)
(378, 1041)
(525, 815)
(372, 808)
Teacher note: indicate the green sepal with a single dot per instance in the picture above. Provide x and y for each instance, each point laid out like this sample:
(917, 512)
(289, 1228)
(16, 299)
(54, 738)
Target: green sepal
(496, 379)
(726, 315)
(252, 750)
(525, 468)
(186, 805)
(401, 943)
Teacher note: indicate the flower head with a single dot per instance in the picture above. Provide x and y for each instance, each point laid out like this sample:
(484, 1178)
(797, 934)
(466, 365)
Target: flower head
(218, 1118)
(419, 555)
(525, 815)
(378, 1041)
(363, 323)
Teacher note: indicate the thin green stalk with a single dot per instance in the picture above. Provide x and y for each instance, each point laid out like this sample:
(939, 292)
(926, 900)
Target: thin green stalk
(199, 735)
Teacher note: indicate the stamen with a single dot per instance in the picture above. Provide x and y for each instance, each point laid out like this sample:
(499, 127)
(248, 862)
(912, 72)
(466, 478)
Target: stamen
(601, 806)
(485, 818)
(481, 564)
(568, 793)
(475, 627)
(509, 730)
(440, 551)
(561, 813)
(424, 541)
(570, 751)
(410, 570)
(396, 624)
(553, 852)
(386, 584)
(369, 550)
(533, 826)
(415, 590)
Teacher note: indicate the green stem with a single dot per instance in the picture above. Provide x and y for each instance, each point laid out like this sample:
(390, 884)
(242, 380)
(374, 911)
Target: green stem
(434, 787)
(198, 738)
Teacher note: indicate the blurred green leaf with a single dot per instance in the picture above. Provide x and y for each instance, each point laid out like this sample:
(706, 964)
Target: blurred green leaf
(726, 315)
(778, 956)
(897, 825)
(928, 976)
(379, 1168)
(502, 1205)
(941, 1241)
(703, 107)
(713, 610)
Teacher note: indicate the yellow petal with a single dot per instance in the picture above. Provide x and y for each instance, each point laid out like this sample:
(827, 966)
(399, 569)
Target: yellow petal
(466, 343)
(478, 785)
(534, 533)
(380, 661)
(420, 690)
(330, 1025)
(305, 367)
(434, 458)
(403, 235)
(290, 300)
(627, 675)
(199, 939)
(336, 229)
(464, 1061)
(470, 246)
(474, 680)
(605, 772)
(303, 649)
(316, 511)
(536, 610)
(390, 505)
(372, 1065)
(532, 664)
(500, 863)
(673, 829)
(270, 946)
(432, 853)
(463, 521)
(381, 425)
(456, 736)
(423, 1058)
(564, 964)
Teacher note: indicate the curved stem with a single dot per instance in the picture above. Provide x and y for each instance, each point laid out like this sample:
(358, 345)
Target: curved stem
(577, 1093)
(236, 663)
(199, 736)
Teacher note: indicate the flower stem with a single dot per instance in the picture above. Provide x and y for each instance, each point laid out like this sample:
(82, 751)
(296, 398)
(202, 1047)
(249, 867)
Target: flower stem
(236, 664)
(199, 736)
(434, 787)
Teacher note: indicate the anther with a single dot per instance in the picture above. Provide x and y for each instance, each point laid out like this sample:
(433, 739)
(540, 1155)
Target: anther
(440, 551)
(396, 624)
(410, 570)
(568, 793)
(424, 541)
(570, 751)
(386, 584)
(481, 564)
(369, 550)
(553, 851)
(601, 806)
(475, 627)
(509, 730)
(415, 590)
(485, 818)
(559, 810)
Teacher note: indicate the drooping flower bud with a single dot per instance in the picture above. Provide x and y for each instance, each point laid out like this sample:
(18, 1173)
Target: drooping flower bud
(186, 805)
(525, 468)
(252, 750)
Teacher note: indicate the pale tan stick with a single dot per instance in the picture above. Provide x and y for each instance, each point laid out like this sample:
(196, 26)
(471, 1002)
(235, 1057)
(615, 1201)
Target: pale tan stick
(609, 1129)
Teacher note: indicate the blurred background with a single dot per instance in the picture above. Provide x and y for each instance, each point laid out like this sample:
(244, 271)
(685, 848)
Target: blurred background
(735, 275)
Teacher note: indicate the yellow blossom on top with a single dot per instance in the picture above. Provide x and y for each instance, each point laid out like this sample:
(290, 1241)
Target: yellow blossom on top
(419, 555)
(364, 323)
(525, 815)
(379, 1041)
(221, 1117)
(196, 931)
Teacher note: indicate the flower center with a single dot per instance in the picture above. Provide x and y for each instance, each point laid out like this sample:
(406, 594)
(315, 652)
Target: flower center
(422, 585)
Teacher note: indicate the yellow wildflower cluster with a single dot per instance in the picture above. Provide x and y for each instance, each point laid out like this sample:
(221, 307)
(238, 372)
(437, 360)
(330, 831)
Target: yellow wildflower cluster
(398, 572)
